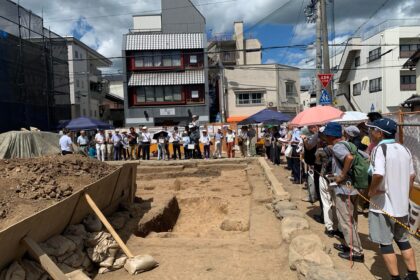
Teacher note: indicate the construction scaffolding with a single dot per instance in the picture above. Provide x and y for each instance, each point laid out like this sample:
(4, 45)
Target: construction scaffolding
(34, 75)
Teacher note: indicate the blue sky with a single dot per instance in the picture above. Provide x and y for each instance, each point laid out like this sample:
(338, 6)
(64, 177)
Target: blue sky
(100, 24)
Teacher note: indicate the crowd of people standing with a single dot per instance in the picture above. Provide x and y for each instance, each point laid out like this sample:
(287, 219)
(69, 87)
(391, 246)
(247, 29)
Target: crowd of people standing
(348, 170)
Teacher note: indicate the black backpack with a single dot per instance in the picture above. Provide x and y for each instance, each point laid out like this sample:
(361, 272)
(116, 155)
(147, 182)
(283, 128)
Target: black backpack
(309, 155)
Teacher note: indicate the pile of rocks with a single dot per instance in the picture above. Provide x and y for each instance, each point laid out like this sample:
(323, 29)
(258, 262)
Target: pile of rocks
(83, 247)
(308, 255)
(47, 177)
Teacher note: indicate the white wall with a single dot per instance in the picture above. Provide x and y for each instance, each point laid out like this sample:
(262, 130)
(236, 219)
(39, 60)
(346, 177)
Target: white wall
(147, 23)
(117, 88)
(389, 67)
(250, 78)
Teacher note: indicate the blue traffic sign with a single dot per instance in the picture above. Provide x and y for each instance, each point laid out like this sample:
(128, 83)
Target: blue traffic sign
(325, 98)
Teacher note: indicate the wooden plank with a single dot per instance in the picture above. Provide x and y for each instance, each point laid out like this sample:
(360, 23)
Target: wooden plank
(36, 252)
(108, 226)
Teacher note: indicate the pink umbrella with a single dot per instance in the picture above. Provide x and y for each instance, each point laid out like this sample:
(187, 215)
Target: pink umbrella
(316, 115)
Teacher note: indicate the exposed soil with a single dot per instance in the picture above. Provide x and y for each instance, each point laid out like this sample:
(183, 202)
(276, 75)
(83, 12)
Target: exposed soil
(224, 229)
(30, 185)
(374, 266)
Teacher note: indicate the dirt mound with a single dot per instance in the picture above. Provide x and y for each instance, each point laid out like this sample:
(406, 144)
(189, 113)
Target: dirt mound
(29, 185)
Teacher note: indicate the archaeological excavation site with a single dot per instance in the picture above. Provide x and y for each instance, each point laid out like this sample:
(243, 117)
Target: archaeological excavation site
(82, 219)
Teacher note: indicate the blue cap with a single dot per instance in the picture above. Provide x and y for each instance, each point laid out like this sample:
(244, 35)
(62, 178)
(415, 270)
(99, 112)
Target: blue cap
(385, 125)
(333, 129)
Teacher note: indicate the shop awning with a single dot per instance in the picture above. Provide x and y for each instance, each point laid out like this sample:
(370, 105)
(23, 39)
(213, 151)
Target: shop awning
(234, 119)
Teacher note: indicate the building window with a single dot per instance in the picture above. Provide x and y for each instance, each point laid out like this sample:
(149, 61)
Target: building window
(357, 89)
(158, 59)
(357, 61)
(177, 93)
(193, 59)
(77, 83)
(159, 94)
(375, 85)
(76, 54)
(84, 113)
(250, 98)
(83, 84)
(374, 55)
(408, 82)
(290, 89)
(194, 94)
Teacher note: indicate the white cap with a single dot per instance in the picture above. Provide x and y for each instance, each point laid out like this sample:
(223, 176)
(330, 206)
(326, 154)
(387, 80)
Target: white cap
(144, 127)
(191, 126)
(204, 130)
(195, 116)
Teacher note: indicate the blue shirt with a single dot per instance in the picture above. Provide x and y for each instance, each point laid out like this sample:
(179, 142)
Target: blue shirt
(116, 139)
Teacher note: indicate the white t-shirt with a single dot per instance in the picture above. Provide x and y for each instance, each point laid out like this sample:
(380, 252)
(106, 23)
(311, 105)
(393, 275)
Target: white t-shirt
(205, 140)
(145, 137)
(396, 170)
(82, 140)
(230, 138)
(65, 143)
(99, 138)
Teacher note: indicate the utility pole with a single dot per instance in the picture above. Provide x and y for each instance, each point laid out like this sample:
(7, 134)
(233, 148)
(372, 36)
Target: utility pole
(325, 47)
(318, 49)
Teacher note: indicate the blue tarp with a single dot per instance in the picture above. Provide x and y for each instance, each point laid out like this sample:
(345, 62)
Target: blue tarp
(267, 116)
(87, 124)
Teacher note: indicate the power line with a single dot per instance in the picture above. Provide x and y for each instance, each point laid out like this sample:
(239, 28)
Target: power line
(137, 12)
(371, 16)
(294, 27)
(267, 16)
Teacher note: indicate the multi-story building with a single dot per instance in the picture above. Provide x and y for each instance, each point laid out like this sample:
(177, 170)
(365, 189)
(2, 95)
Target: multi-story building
(165, 69)
(370, 75)
(34, 85)
(242, 84)
(87, 87)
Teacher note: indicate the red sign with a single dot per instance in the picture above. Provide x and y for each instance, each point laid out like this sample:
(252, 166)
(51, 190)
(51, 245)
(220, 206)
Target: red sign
(325, 79)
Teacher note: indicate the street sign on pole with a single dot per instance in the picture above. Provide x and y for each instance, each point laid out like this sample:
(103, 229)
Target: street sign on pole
(325, 79)
(325, 98)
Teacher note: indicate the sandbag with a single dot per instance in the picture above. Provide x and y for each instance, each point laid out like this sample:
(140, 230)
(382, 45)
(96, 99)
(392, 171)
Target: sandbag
(57, 246)
(140, 264)
(92, 223)
(33, 270)
(15, 272)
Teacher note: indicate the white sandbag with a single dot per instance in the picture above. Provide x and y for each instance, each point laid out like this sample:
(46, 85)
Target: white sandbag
(57, 246)
(92, 223)
(119, 262)
(139, 264)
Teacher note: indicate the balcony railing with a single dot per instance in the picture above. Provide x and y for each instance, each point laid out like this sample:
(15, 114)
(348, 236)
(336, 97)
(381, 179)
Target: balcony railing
(228, 57)
(406, 54)
(405, 87)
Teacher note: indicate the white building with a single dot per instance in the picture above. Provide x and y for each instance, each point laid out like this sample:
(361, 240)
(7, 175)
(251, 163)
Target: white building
(370, 75)
(87, 88)
(307, 97)
(245, 86)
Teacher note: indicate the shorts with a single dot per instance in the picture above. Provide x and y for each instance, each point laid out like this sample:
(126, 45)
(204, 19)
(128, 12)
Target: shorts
(383, 230)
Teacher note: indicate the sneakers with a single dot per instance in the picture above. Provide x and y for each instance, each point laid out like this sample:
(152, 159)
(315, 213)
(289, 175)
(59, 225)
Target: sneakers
(356, 257)
(411, 276)
(334, 233)
(341, 247)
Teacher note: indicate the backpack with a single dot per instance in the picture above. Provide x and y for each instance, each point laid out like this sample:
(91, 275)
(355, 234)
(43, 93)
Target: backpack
(309, 155)
(359, 168)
